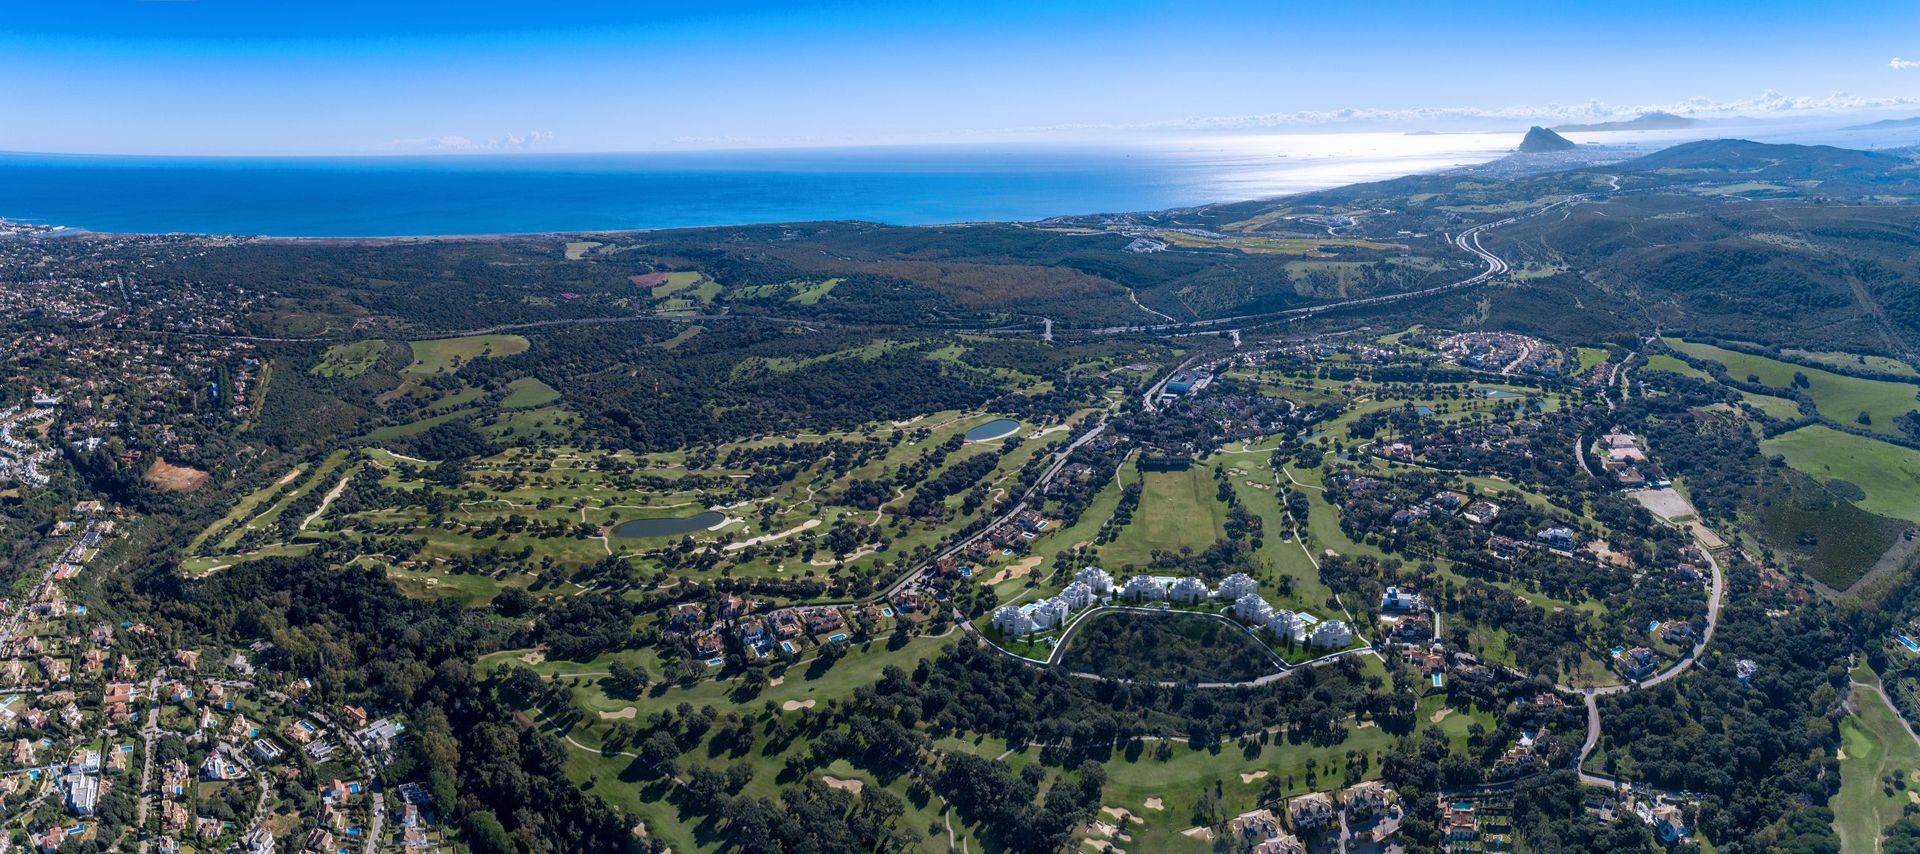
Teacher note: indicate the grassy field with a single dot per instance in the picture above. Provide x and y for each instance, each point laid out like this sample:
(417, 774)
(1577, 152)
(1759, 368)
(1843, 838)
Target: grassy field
(349, 360)
(528, 393)
(1876, 750)
(442, 355)
(1590, 356)
(1889, 474)
(1176, 509)
(1843, 360)
(1664, 362)
(1841, 398)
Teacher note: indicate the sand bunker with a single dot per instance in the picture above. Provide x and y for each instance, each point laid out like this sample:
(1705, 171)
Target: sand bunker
(1204, 834)
(1441, 714)
(797, 705)
(1156, 804)
(620, 714)
(1019, 570)
(1248, 778)
(853, 786)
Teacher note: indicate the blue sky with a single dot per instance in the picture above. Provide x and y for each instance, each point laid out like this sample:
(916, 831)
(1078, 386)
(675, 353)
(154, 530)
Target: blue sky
(356, 77)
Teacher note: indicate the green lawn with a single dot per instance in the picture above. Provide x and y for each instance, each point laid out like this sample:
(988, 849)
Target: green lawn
(1664, 362)
(442, 355)
(527, 393)
(1889, 474)
(1177, 509)
(1841, 398)
(1590, 356)
(351, 359)
(1877, 749)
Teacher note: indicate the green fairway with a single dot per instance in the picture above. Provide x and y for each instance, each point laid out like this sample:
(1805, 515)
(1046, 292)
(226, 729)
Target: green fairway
(527, 393)
(1877, 751)
(443, 355)
(1590, 356)
(345, 361)
(1889, 474)
(1176, 509)
(1841, 398)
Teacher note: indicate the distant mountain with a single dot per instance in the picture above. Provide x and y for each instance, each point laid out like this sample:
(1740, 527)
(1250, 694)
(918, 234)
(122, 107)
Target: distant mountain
(1649, 121)
(1540, 139)
(1886, 124)
(1833, 171)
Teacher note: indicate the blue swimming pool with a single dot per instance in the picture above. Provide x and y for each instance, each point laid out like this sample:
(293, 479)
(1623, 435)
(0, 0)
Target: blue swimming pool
(839, 637)
(1438, 679)
(1909, 644)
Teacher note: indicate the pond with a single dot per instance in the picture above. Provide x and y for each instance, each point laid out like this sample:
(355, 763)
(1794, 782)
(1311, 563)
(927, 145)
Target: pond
(998, 428)
(668, 526)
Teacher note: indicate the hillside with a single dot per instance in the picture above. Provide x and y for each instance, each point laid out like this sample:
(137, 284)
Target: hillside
(1540, 139)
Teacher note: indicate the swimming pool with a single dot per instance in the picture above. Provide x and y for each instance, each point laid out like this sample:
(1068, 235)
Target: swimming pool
(1437, 680)
(839, 637)
(1909, 644)
(886, 612)
(787, 645)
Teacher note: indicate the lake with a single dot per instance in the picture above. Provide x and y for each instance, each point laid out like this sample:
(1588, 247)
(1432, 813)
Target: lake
(999, 428)
(668, 526)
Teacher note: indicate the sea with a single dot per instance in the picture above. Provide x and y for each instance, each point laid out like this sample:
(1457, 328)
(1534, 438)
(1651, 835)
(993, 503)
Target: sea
(389, 196)
(392, 196)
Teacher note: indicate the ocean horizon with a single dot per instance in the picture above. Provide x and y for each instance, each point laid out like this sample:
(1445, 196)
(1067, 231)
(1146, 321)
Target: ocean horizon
(447, 195)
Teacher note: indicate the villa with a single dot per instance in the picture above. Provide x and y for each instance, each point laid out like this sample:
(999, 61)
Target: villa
(1557, 538)
(1331, 634)
(1096, 579)
(1395, 600)
(1237, 585)
(1251, 608)
(1050, 613)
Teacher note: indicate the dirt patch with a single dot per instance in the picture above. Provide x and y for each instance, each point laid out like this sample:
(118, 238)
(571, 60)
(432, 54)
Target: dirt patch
(797, 705)
(649, 280)
(853, 786)
(175, 478)
(1018, 570)
(1257, 775)
(625, 714)
(1706, 537)
(1666, 503)
(1441, 714)
(1156, 804)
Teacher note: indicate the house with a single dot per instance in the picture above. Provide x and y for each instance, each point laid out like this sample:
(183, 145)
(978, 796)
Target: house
(1558, 538)
(753, 631)
(1640, 662)
(1096, 579)
(1311, 810)
(1256, 827)
(1285, 843)
(187, 658)
(708, 644)
(1396, 600)
(258, 841)
(1744, 669)
(688, 615)
(786, 624)
(1677, 632)
(1143, 588)
(1188, 590)
(1368, 800)
(173, 817)
(732, 606)
(1415, 629)
(1013, 622)
(1253, 609)
(1669, 822)
(1331, 634)
(1234, 586)
(823, 620)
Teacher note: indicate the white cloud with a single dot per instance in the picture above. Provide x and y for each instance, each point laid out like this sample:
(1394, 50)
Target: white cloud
(1899, 64)
(451, 144)
(1769, 103)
